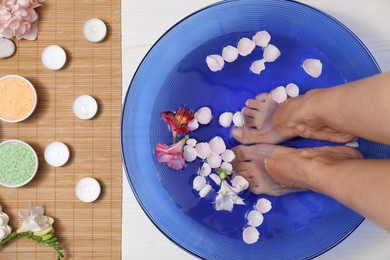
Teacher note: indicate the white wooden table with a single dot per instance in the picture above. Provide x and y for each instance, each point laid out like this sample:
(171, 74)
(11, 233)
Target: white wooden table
(144, 21)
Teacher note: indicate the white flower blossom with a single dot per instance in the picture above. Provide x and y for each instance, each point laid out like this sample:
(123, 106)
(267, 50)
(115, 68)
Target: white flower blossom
(35, 221)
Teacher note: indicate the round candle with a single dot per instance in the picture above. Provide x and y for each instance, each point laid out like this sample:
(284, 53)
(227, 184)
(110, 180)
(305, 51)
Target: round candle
(95, 30)
(87, 189)
(53, 57)
(56, 154)
(85, 107)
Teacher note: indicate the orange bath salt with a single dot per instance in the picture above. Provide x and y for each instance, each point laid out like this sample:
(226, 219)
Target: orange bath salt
(17, 98)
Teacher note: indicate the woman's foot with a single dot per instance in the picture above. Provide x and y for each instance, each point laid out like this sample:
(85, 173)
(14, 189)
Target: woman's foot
(277, 170)
(265, 121)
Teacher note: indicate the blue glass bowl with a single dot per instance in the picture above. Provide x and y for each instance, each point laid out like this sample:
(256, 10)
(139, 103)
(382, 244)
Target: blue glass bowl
(174, 73)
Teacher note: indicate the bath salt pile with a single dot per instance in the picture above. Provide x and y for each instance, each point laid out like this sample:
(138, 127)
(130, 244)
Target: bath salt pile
(17, 163)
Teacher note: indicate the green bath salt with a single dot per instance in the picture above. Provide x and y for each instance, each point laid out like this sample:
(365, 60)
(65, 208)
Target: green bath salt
(17, 163)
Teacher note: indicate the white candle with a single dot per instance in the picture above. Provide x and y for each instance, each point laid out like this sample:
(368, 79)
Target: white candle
(85, 107)
(95, 30)
(56, 154)
(88, 189)
(53, 57)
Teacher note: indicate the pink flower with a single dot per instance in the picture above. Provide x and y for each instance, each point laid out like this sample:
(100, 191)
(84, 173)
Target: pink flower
(19, 19)
(171, 155)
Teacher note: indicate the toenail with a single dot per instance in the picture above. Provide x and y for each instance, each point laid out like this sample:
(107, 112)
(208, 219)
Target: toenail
(237, 132)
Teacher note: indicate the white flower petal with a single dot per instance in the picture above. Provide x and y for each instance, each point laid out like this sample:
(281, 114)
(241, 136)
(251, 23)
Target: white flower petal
(215, 62)
(203, 115)
(191, 142)
(203, 150)
(223, 202)
(225, 119)
(255, 218)
(352, 144)
(263, 205)
(239, 183)
(217, 145)
(214, 160)
(279, 94)
(228, 155)
(250, 235)
(198, 183)
(257, 66)
(292, 90)
(238, 119)
(227, 167)
(205, 170)
(215, 178)
(271, 53)
(312, 67)
(229, 53)
(205, 191)
(261, 38)
(189, 153)
(245, 46)
(193, 125)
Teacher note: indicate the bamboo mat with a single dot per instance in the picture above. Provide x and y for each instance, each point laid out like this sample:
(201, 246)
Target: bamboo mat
(86, 231)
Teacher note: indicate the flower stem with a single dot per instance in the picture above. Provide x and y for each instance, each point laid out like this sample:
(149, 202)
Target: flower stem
(9, 238)
(48, 240)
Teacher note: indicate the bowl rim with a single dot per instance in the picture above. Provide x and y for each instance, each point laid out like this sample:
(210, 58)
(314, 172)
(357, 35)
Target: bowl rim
(36, 163)
(35, 98)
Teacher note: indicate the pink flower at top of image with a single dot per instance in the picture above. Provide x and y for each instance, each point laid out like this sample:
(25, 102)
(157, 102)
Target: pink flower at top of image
(178, 122)
(18, 19)
(171, 155)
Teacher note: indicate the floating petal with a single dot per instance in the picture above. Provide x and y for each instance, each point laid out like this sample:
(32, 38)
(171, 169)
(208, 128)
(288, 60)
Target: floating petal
(250, 235)
(227, 167)
(223, 202)
(225, 119)
(245, 46)
(313, 67)
(214, 160)
(263, 205)
(199, 183)
(205, 170)
(215, 178)
(238, 119)
(189, 153)
(230, 53)
(271, 53)
(215, 62)
(203, 115)
(228, 155)
(258, 66)
(205, 191)
(217, 145)
(279, 94)
(255, 218)
(193, 125)
(292, 90)
(203, 150)
(239, 183)
(352, 144)
(191, 142)
(261, 38)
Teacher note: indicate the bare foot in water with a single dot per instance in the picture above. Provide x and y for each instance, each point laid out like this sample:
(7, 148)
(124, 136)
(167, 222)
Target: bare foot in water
(278, 170)
(265, 121)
